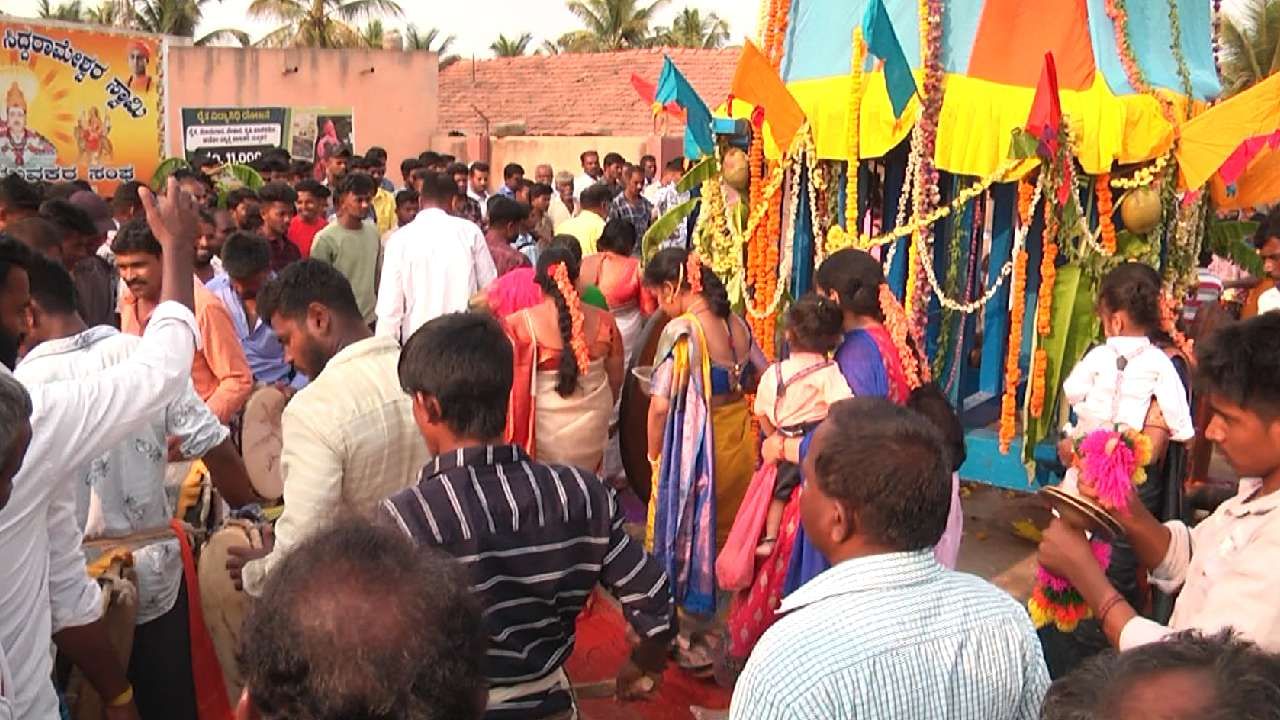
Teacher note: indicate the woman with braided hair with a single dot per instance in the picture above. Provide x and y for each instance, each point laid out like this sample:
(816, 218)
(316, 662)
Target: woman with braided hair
(568, 369)
(701, 444)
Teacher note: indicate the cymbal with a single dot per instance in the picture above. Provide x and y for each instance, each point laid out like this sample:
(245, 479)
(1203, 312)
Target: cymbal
(1082, 513)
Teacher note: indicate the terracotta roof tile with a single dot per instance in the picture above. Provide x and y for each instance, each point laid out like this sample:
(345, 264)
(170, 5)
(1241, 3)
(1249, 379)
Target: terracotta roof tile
(574, 94)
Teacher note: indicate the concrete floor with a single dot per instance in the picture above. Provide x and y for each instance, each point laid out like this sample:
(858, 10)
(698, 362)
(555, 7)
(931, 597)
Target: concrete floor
(990, 547)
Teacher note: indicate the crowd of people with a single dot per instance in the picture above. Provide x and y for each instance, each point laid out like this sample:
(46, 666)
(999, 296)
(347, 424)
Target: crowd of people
(452, 361)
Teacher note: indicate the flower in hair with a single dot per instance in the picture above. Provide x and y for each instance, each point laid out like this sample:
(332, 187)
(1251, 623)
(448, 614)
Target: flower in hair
(896, 322)
(693, 270)
(577, 335)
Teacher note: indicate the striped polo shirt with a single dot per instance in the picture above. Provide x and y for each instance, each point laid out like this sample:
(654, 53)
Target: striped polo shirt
(536, 540)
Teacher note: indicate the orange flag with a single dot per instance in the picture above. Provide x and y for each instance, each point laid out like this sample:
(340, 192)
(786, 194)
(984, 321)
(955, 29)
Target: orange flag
(756, 82)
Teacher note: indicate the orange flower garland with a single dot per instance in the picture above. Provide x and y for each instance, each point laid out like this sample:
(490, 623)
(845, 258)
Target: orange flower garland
(577, 336)
(1039, 366)
(1017, 306)
(895, 321)
(1169, 324)
(1048, 276)
(1026, 193)
(1106, 210)
(693, 271)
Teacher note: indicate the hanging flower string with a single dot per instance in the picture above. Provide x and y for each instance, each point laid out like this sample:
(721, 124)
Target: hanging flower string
(1169, 324)
(1112, 462)
(1017, 310)
(1106, 214)
(895, 321)
(577, 335)
(693, 271)
(852, 128)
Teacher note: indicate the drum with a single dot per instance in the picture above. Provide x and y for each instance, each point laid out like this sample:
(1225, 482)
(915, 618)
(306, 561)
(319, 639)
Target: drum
(223, 605)
(633, 414)
(114, 573)
(262, 440)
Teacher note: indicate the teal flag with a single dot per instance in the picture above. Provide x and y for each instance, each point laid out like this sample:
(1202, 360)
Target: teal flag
(673, 87)
(883, 43)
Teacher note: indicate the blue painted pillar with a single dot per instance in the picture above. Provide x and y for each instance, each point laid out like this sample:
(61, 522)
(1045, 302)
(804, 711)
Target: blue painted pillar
(802, 244)
(996, 314)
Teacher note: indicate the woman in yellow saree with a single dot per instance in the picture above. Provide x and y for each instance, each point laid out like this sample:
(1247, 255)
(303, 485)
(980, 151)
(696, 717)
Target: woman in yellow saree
(700, 439)
(568, 370)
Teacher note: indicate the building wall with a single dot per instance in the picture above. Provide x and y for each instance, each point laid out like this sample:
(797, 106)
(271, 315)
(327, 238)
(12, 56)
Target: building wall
(561, 152)
(393, 94)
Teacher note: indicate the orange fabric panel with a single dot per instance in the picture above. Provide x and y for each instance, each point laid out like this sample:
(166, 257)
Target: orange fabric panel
(1014, 35)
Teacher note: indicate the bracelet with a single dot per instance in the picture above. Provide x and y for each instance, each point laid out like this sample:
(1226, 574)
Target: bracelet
(1107, 607)
(123, 698)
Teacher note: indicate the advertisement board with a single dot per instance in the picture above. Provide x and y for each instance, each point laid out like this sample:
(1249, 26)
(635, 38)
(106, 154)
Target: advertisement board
(236, 135)
(80, 103)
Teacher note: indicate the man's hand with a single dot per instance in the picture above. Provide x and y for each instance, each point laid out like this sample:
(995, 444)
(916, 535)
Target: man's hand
(173, 217)
(128, 711)
(238, 557)
(1066, 452)
(773, 450)
(1064, 551)
(286, 389)
(634, 683)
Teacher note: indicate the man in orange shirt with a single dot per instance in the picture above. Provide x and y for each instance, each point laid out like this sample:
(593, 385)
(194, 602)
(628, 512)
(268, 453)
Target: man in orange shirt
(220, 371)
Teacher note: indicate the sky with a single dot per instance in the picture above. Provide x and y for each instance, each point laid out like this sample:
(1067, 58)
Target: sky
(475, 23)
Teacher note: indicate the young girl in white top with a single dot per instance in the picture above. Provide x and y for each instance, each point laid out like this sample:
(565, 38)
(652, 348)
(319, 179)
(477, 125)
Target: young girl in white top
(1114, 384)
(794, 394)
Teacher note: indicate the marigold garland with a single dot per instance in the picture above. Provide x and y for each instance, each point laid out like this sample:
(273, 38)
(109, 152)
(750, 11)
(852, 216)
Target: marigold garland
(895, 321)
(852, 128)
(1012, 373)
(577, 323)
(1106, 213)
(1169, 324)
(1132, 71)
(693, 271)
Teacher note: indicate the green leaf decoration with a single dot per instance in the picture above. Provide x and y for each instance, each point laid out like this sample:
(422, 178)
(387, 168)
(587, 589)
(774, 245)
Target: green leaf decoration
(698, 174)
(233, 176)
(1074, 328)
(1232, 239)
(1023, 146)
(166, 168)
(662, 228)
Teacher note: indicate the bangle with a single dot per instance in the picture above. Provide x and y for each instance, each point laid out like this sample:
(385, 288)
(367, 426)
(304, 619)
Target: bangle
(123, 698)
(1107, 607)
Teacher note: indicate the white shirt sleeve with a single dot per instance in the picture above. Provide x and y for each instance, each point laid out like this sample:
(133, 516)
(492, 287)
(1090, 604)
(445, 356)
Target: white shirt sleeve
(1171, 395)
(1078, 383)
(101, 410)
(74, 597)
(486, 271)
(311, 469)
(390, 307)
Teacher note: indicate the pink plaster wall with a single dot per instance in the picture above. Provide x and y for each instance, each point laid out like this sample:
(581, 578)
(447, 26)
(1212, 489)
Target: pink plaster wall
(393, 93)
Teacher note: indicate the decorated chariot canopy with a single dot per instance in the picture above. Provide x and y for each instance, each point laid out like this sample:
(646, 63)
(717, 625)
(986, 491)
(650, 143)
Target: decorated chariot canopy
(1126, 71)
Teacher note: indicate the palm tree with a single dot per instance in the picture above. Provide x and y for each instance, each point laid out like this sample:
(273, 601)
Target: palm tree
(1251, 46)
(507, 47)
(318, 23)
(372, 33)
(615, 24)
(416, 40)
(693, 30)
(109, 12)
(576, 41)
(173, 17)
(67, 12)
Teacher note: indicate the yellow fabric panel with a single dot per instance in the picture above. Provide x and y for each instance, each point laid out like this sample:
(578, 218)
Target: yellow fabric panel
(1211, 137)
(978, 116)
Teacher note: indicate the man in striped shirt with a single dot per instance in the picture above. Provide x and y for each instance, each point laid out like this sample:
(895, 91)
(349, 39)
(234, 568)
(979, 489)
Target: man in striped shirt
(887, 632)
(536, 539)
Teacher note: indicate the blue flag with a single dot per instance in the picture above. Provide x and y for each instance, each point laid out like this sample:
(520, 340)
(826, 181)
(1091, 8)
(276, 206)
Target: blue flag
(673, 87)
(883, 43)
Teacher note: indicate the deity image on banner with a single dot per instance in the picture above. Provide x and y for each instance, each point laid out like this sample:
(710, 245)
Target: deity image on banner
(20, 146)
(92, 132)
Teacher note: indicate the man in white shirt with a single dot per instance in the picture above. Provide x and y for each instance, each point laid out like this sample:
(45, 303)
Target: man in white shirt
(564, 201)
(433, 265)
(122, 492)
(349, 435)
(1225, 566)
(44, 590)
(591, 172)
(15, 434)
(478, 187)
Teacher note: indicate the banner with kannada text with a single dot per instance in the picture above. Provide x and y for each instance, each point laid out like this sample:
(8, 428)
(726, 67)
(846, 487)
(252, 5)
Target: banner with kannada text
(80, 103)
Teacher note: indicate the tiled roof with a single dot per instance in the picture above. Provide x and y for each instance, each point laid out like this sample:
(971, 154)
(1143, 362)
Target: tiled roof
(574, 94)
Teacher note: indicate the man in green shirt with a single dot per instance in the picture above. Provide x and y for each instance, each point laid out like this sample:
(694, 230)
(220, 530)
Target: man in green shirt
(352, 244)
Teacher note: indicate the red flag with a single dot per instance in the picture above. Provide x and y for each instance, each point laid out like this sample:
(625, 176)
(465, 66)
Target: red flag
(648, 91)
(1045, 122)
(1046, 110)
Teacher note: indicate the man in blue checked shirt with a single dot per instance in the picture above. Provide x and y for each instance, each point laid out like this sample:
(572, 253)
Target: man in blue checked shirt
(887, 632)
